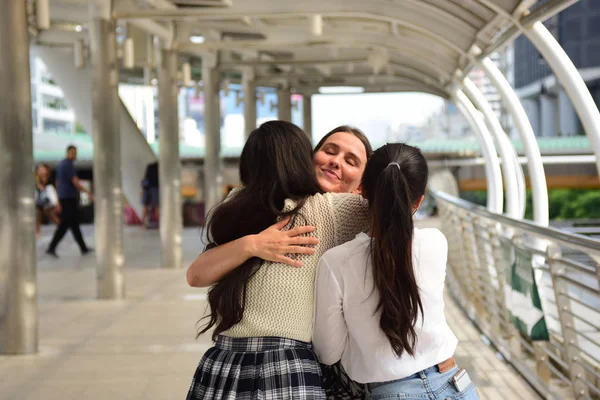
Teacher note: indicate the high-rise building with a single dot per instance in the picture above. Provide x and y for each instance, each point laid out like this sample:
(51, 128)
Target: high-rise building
(577, 29)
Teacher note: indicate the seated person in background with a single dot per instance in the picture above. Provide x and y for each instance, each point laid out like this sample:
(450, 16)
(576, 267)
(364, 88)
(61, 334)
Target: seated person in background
(46, 199)
(150, 194)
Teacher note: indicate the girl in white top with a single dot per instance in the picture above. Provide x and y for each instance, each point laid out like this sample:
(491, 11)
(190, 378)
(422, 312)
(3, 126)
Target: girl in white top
(379, 303)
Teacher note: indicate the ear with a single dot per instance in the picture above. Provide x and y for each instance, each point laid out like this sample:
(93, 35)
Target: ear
(358, 189)
(418, 202)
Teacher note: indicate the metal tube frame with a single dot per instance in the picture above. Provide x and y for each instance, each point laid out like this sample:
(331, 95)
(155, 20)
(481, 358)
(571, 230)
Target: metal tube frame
(212, 133)
(18, 294)
(108, 202)
(307, 115)
(535, 166)
(505, 148)
(492, 166)
(249, 89)
(570, 353)
(284, 104)
(169, 167)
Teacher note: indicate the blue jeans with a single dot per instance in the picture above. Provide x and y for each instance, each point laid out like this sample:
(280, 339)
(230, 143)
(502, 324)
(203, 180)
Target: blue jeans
(428, 384)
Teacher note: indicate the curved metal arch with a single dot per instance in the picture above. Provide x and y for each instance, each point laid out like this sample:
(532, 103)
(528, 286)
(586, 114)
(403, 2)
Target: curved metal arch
(441, 40)
(400, 88)
(492, 166)
(458, 30)
(532, 151)
(439, 70)
(446, 65)
(505, 148)
(365, 80)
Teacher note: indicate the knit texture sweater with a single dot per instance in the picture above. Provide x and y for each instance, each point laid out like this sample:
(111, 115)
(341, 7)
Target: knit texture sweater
(280, 297)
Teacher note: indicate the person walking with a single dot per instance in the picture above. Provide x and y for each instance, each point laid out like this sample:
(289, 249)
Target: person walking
(68, 197)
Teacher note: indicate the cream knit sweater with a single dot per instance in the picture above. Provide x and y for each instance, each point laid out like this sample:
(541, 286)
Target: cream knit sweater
(280, 297)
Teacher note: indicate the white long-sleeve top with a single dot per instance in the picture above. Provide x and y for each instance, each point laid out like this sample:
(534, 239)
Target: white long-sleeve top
(346, 326)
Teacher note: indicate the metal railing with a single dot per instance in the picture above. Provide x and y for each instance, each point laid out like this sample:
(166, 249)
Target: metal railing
(488, 261)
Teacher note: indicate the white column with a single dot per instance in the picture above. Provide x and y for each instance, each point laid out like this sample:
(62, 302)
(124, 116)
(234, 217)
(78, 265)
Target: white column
(307, 115)
(18, 294)
(535, 166)
(571, 80)
(169, 165)
(108, 195)
(505, 148)
(569, 125)
(212, 136)
(548, 116)
(249, 89)
(492, 166)
(284, 104)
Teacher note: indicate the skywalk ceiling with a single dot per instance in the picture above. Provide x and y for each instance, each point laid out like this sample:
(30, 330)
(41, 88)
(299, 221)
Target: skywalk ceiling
(381, 45)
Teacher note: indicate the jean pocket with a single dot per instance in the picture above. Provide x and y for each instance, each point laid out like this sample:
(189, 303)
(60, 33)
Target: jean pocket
(469, 393)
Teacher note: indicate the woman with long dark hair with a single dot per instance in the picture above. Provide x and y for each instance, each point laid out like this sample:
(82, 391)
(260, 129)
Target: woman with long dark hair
(262, 311)
(379, 305)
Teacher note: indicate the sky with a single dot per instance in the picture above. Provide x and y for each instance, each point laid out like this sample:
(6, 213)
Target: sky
(371, 112)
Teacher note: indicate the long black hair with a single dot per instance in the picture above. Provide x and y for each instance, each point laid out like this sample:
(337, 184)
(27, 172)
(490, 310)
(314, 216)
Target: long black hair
(276, 164)
(395, 178)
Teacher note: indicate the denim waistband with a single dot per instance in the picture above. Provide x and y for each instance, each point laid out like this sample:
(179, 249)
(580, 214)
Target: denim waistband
(426, 371)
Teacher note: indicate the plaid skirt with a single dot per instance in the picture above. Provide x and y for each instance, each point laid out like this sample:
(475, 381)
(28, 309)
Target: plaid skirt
(258, 368)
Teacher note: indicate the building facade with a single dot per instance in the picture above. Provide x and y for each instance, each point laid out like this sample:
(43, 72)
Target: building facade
(50, 111)
(550, 111)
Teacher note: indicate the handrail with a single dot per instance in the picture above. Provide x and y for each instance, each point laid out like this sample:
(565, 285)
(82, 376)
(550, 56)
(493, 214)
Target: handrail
(498, 277)
(568, 238)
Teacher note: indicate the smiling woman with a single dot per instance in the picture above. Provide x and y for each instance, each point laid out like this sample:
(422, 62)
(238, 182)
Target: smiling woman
(340, 158)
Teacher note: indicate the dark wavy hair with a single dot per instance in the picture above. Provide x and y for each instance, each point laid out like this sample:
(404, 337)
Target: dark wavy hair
(276, 164)
(392, 191)
(350, 129)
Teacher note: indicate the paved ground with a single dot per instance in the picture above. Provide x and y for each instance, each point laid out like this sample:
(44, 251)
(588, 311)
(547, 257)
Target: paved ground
(145, 347)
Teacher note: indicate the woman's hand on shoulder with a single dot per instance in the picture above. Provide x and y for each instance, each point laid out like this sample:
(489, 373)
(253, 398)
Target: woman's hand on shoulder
(276, 245)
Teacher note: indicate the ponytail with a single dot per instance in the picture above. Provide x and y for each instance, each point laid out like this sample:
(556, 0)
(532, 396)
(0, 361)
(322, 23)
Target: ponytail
(390, 189)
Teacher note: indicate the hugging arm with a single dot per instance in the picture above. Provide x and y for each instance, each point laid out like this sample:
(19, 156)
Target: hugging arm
(272, 244)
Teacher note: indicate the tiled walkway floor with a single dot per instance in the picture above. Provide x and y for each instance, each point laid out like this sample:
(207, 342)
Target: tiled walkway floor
(145, 347)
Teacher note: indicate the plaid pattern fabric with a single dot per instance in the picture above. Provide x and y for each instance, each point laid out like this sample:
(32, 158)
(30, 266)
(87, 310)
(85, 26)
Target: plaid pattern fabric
(338, 385)
(258, 368)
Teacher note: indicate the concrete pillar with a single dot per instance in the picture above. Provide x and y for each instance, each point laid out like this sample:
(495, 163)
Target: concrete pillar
(532, 108)
(108, 196)
(169, 168)
(548, 116)
(568, 121)
(284, 104)
(213, 192)
(18, 295)
(249, 88)
(307, 115)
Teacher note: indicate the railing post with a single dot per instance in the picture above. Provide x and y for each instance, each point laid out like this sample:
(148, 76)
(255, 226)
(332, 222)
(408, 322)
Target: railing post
(541, 362)
(472, 259)
(567, 323)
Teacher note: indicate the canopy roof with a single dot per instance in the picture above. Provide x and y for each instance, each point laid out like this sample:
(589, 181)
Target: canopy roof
(380, 45)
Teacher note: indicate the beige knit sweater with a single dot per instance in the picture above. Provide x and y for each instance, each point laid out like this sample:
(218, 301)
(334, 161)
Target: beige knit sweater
(280, 297)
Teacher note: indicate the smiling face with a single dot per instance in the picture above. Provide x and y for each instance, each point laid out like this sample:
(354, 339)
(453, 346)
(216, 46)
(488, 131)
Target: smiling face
(340, 163)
